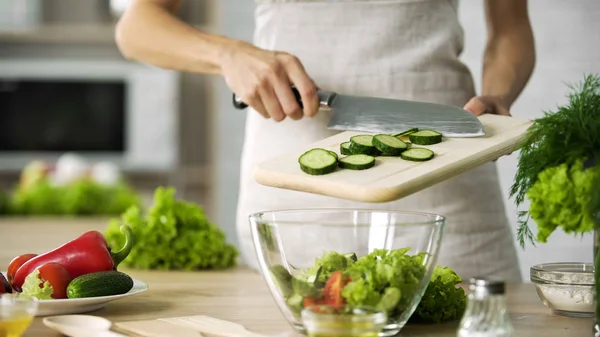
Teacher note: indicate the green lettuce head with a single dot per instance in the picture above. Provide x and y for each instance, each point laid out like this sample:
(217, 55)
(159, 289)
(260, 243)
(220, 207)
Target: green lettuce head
(551, 173)
(560, 198)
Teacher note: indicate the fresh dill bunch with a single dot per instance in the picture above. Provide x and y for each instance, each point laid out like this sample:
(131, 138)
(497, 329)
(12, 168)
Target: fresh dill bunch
(559, 137)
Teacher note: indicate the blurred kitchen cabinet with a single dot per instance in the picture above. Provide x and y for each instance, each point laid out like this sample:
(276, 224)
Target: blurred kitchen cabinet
(83, 31)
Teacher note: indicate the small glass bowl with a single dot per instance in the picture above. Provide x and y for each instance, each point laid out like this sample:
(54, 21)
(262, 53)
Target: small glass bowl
(16, 313)
(323, 321)
(565, 288)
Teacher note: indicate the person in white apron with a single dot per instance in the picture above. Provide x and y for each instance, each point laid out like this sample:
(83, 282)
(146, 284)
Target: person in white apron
(404, 49)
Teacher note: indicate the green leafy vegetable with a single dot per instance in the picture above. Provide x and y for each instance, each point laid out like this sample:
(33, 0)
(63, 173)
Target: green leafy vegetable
(266, 235)
(40, 198)
(326, 265)
(33, 287)
(172, 235)
(372, 274)
(563, 137)
(81, 197)
(443, 300)
(384, 279)
(560, 198)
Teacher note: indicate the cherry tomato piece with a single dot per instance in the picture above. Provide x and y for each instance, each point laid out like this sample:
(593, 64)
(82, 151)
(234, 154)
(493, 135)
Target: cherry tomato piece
(333, 290)
(58, 277)
(15, 264)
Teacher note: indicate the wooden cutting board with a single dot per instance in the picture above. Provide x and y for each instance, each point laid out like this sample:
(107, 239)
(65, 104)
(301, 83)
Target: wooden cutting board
(393, 178)
(156, 328)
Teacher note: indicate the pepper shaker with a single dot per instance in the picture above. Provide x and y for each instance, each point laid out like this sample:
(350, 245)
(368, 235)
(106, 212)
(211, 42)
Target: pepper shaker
(486, 314)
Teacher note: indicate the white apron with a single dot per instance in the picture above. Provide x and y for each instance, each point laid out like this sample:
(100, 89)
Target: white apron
(404, 49)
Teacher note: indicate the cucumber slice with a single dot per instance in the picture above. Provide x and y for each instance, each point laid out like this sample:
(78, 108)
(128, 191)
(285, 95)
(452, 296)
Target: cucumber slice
(390, 299)
(357, 162)
(283, 280)
(389, 145)
(407, 132)
(362, 140)
(345, 148)
(317, 162)
(363, 144)
(295, 303)
(352, 256)
(425, 137)
(333, 154)
(304, 288)
(417, 154)
(314, 277)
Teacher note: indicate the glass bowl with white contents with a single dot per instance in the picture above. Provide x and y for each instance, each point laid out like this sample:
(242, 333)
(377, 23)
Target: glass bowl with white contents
(566, 288)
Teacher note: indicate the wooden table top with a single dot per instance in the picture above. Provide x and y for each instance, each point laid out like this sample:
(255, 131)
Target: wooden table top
(241, 296)
(238, 295)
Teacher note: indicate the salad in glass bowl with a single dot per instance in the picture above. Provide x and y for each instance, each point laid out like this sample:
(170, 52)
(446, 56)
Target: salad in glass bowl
(347, 259)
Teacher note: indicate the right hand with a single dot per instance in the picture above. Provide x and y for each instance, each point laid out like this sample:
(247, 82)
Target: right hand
(263, 80)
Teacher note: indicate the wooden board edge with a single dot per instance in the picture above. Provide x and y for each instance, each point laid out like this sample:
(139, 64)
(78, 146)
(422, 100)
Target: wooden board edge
(283, 181)
(506, 148)
(384, 194)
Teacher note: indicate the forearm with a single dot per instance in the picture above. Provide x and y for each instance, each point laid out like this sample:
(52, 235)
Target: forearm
(149, 32)
(509, 56)
(508, 63)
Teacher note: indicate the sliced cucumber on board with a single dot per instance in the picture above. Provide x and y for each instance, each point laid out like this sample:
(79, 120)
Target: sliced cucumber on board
(403, 136)
(363, 144)
(407, 132)
(417, 154)
(357, 162)
(389, 145)
(318, 162)
(425, 137)
(360, 151)
(345, 148)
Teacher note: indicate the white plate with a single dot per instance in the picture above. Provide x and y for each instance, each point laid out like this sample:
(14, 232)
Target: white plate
(82, 305)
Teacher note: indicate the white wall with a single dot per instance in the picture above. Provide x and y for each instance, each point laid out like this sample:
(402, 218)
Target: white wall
(568, 45)
(567, 37)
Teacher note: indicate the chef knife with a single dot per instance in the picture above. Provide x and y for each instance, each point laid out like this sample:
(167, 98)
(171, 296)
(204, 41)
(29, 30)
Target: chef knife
(389, 116)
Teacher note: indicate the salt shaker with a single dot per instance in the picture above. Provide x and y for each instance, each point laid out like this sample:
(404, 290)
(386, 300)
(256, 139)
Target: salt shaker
(486, 314)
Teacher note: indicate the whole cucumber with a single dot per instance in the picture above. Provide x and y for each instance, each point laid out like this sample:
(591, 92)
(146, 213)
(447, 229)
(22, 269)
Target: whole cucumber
(104, 283)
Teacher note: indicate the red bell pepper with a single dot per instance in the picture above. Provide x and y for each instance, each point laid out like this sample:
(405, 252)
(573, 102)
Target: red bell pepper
(88, 253)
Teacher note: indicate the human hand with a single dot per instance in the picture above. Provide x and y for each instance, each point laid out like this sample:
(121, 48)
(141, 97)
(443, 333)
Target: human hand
(263, 80)
(480, 105)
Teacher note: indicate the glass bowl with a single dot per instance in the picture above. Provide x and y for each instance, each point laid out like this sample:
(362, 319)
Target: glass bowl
(565, 288)
(347, 257)
(16, 313)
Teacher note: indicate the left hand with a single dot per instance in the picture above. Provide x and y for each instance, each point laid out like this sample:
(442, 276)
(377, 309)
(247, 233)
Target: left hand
(480, 105)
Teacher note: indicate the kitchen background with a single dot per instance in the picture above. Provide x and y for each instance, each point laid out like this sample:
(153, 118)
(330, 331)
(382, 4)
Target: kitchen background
(162, 127)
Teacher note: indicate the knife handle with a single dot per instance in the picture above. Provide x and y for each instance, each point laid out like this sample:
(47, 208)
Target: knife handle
(325, 99)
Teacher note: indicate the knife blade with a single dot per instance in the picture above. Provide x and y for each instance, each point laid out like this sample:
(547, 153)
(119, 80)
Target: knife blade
(384, 115)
